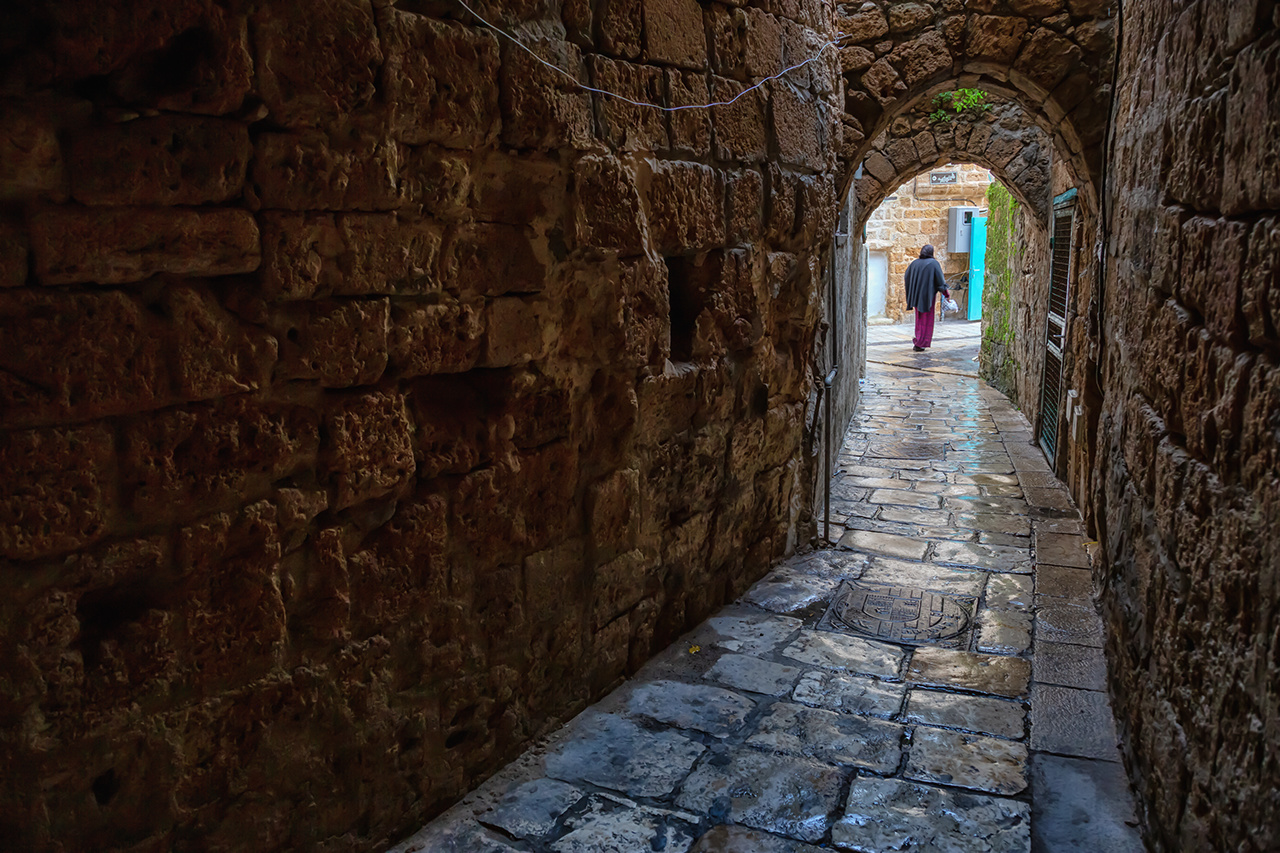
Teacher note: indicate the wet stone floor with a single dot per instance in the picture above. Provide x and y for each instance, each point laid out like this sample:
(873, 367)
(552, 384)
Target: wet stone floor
(933, 681)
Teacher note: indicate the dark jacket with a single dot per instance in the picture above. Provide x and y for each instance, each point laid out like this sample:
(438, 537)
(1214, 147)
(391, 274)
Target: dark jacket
(924, 282)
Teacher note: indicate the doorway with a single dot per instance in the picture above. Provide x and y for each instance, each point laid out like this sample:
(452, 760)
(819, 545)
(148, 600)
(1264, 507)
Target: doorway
(877, 286)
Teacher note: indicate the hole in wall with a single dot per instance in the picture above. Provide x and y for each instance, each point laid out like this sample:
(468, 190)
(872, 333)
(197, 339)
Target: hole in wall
(685, 300)
(105, 787)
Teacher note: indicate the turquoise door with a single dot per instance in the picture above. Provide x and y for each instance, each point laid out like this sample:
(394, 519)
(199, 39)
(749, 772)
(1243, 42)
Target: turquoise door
(977, 266)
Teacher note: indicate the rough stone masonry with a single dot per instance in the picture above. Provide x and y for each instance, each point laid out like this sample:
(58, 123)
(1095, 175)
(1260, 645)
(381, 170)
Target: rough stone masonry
(372, 398)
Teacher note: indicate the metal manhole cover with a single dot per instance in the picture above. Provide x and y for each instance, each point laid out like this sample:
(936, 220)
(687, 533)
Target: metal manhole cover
(906, 450)
(898, 613)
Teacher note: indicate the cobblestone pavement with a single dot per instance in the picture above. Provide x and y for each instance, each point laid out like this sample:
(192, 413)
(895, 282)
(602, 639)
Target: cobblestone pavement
(934, 682)
(954, 349)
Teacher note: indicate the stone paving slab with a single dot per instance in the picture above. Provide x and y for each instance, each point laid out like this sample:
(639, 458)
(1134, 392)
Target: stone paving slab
(967, 760)
(831, 737)
(787, 796)
(893, 816)
(745, 733)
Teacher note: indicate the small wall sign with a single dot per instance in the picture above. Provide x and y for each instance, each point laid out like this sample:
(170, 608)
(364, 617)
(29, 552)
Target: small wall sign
(942, 178)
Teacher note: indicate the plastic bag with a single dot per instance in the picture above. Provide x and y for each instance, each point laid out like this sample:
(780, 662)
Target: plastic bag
(949, 304)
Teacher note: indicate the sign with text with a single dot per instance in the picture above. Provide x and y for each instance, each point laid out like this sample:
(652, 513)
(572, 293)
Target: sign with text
(942, 178)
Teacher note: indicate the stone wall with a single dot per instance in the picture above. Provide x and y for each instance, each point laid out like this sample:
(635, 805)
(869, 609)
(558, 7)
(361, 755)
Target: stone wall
(1014, 301)
(371, 399)
(916, 215)
(1187, 493)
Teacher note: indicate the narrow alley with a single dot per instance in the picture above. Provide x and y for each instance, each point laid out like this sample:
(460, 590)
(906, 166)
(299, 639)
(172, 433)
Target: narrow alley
(933, 682)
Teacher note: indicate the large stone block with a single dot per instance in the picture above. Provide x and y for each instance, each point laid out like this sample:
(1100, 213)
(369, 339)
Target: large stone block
(741, 132)
(608, 212)
(519, 329)
(518, 189)
(117, 245)
(799, 125)
(621, 27)
(318, 62)
(612, 516)
(165, 160)
(491, 260)
(862, 26)
(1260, 286)
(541, 108)
(1251, 150)
(444, 337)
(646, 312)
(442, 78)
(993, 38)
(624, 125)
(312, 171)
(59, 490)
(690, 129)
(211, 352)
(922, 59)
(32, 163)
(368, 447)
(306, 256)
(674, 33)
(181, 463)
(333, 343)
(686, 207)
(206, 69)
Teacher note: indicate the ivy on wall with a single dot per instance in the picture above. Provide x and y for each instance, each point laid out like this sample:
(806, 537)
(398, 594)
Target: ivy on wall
(1004, 264)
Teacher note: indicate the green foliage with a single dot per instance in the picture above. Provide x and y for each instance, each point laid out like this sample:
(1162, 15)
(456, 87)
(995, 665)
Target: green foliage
(1004, 266)
(969, 103)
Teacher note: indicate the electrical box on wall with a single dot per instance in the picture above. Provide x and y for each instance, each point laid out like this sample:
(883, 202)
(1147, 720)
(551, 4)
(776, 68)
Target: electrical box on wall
(959, 229)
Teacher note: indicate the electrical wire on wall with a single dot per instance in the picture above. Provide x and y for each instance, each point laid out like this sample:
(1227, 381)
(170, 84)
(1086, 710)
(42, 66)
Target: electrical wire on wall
(563, 73)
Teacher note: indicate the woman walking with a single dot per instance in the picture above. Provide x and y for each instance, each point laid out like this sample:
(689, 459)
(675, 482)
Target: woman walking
(924, 283)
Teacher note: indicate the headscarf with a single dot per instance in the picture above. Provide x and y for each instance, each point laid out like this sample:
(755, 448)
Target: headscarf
(927, 251)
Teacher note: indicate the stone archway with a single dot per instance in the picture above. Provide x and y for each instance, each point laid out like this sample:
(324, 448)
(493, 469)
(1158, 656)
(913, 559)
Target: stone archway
(1052, 57)
(1003, 139)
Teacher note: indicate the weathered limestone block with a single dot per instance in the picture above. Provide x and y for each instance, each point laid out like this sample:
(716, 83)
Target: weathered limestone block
(334, 343)
(318, 62)
(761, 44)
(854, 59)
(624, 125)
(908, 17)
(878, 166)
(427, 338)
(117, 245)
(646, 312)
(1260, 288)
(232, 606)
(58, 490)
(923, 58)
(1037, 8)
(165, 160)
(619, 585)
(994, 38)
(519, 329)
(863, 26)
(404, 570)
(621, 27)
(32, 163)
(211, 353)
(740, 128)
(212, 58)
(1211, 254)
(540, 108)
(783, 205)
(1048, 58)
(883, 82)
(306, 256)
(674, 33)
(180, 463)
(1251, 152)
(518, 189)
(799, 122)
(491, 260)
(690, 129)
(902, 153)
(686, 207)
(608, 212)
(439, 179)
(84, 355)
(744, 193)
(311, 171)
(612, 519)
(818, 209)
(368, 447)
(667, 403)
